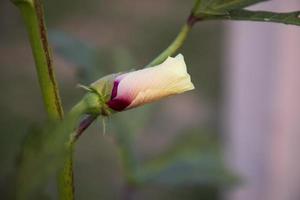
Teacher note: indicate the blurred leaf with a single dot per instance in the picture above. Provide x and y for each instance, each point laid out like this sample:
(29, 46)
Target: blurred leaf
(85, 58)
(73, 50)
(194, 158)
(43, 153)
(263, 16)
(139, 117)
(125, 130)
(234, 10)
(91, 62)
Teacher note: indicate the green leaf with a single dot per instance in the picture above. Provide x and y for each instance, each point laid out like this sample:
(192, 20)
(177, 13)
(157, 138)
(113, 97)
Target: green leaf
(73, 50)
(84, 57)
(221, 7)
(125, 129)
(194, 158)
(234, 4)
(43, 153)
(90, 61)
(234, 10)
(262, 16)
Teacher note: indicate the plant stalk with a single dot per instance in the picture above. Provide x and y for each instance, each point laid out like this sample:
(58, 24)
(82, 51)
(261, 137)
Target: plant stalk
(173, 47)
(33, 15)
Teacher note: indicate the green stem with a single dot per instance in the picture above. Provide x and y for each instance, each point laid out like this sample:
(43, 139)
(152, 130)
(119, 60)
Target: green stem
(65, 177)
(180, 38)
(292, 18)
(32, 13)
(173, 47)
(88, 105)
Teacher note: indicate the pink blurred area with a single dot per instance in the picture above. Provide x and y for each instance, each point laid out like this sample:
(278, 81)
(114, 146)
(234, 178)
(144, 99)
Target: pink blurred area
(261, 106)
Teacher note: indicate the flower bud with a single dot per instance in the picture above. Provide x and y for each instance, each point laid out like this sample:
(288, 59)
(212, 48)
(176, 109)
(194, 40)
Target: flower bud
(125, 91)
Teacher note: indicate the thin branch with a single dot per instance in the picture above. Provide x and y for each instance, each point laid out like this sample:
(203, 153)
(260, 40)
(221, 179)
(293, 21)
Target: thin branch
(173, 47)
(178, 42)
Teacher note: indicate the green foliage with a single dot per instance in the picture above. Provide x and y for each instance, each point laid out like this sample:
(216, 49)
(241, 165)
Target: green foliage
(264, 16)
(233, 4)
(234, 10)
(221, 7)
(43, 153)
(83, 56)
(32, 13)
(125, 130)
(194, 158)
(91, 62)
(72, 49)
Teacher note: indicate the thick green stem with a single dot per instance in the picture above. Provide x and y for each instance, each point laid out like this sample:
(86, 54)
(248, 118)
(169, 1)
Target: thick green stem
(32, 13)
(65, 177)
(173, 47)
(88, 105)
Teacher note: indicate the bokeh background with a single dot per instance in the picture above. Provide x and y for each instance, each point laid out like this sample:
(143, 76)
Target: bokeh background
(234, 137)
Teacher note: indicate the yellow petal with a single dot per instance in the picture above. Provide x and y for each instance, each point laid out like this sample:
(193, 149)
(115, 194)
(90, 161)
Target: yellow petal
(150, 84)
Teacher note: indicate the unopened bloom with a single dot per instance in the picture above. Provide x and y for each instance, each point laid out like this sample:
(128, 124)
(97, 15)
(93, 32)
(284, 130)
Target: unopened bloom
(132, 89)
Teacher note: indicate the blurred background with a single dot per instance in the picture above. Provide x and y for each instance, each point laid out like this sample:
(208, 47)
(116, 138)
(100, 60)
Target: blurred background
(235, 137)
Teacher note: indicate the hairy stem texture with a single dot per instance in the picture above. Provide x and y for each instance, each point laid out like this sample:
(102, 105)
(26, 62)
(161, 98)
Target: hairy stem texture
(33, 15)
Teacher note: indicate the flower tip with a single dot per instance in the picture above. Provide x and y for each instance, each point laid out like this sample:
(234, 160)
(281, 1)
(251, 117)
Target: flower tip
(179, 56)
(180, 60)
(192, 87)
(170, 60)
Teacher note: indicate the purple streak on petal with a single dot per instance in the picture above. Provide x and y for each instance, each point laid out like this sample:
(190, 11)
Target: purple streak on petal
(114, 103)
(115, 89)
(118, 104)
(114, 92)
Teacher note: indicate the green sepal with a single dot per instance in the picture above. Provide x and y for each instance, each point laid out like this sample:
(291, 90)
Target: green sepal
(104, 86)
(98, 94)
